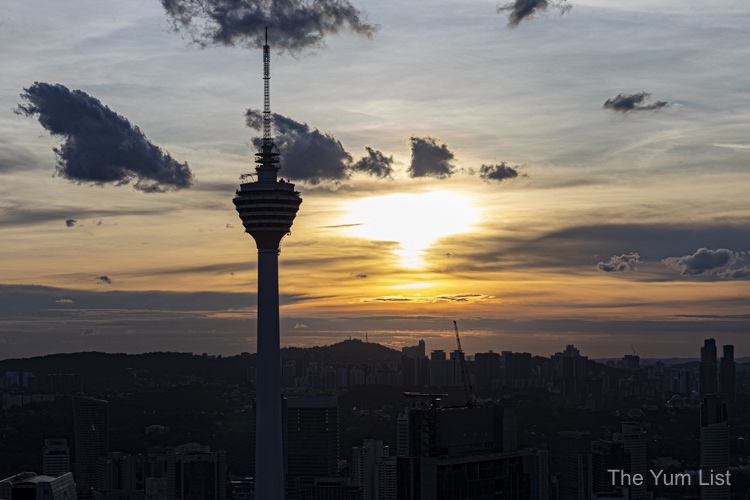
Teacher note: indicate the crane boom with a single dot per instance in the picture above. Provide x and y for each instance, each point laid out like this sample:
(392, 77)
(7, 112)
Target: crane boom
(464, 372)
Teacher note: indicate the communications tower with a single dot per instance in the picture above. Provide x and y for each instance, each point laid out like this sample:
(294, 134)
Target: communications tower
(267, 207)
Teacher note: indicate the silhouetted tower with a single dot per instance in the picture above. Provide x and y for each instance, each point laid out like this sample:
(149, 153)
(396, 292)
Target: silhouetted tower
(90, 426)
(267, 207)
(714, 447)
(708, 383)
(728, 375)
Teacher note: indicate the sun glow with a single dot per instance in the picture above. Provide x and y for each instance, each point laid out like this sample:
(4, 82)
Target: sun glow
(414, 221)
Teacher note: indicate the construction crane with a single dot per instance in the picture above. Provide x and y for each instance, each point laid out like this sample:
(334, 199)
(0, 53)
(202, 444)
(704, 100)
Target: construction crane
(464, 372)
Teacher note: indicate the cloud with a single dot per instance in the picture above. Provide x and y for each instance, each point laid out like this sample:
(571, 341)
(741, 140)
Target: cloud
(430, 159)
(64, 301)
(620, 263)
(703, 261)
(360, 275)
(626, 103)
(419, 299)
(498, 172)
(89, 332)
(293, 25)
(527, 9)
(14, 157)
(101, 146)
(300, 325)
(375, 164)
(104, 279)
(306, 154)
(70, 222)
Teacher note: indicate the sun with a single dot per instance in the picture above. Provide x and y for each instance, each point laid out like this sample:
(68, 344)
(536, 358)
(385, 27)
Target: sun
(414, 221)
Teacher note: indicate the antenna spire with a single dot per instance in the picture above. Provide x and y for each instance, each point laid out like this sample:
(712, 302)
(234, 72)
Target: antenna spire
(266, 92)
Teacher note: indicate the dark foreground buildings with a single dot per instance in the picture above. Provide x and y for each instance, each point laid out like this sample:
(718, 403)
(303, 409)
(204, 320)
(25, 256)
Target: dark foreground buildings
(467, 453)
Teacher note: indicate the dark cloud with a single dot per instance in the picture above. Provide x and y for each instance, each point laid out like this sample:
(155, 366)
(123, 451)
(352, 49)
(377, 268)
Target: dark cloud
(430, 159)
(498, 172)
(101, 146)
(703, 261)
(375, 164)
(527, 9)
(306, 154)
(626, 103)
(293, 25)
(620, 263)
(70, 222)
(104, 279)
(737, 274)
(313, 156)
(360, 275)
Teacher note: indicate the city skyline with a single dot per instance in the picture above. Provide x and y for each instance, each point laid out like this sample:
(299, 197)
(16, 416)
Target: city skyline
(590, 213)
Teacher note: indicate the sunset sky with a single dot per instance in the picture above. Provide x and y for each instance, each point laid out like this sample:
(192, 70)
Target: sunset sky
(574, 176)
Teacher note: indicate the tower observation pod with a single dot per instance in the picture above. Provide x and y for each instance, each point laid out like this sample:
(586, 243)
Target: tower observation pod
(267, 207)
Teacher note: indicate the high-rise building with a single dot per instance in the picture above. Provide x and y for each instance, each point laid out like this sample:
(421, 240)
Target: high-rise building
(55, 457)
(707, 368)
(714, 447)
(633, 436)
(312, 441)
(606, 456)
(487, 366)
(728, 376)
(187, 472)
(464, 453)
(267, 207)
(371, 470)
(115, 472)
(29, 486)
(575, 465)
(90, 425)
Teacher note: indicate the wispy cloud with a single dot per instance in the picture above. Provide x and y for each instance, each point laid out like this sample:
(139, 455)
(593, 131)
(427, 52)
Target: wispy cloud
(620, 263)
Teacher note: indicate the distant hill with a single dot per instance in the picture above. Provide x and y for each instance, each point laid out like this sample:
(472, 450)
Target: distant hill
(351, 351)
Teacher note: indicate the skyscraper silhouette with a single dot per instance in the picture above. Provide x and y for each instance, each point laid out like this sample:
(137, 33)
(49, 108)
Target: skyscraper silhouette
(708, 368)
(267, 207)
(91, 441)
(714, 445)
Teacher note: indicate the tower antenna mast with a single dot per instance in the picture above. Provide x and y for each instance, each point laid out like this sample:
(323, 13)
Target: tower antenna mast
(266, 93)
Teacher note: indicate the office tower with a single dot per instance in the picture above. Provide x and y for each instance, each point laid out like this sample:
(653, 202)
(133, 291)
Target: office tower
(29, 486)
(55, 457)
(714, 446)
(91, 441)
(607, 455)
(312, 441)
(575, 465)
(728, 375)
(633, 436)
(708, 368)
(267, 207)
(466, 453)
